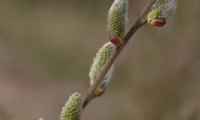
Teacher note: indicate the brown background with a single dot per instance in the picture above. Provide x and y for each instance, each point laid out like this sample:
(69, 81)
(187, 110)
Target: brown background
(47, 47)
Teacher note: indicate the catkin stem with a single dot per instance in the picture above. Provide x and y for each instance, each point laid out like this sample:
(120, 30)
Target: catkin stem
(140, 22)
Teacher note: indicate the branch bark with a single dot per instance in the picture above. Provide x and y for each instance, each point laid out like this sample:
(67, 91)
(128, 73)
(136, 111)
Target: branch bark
(139, 22)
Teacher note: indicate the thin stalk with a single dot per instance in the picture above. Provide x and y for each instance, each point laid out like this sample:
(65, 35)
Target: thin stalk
(139, 23)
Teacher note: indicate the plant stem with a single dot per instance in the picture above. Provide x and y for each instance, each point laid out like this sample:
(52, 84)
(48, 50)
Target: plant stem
(140, 22)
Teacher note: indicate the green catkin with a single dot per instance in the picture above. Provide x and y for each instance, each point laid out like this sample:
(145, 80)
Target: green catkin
(99, 61)
(73, 107)
(162, 9)
(118, 18)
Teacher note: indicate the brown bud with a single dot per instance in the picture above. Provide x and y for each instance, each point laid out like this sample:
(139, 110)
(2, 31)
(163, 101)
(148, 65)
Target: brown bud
(157, 22)
(115, 39)
(100, 92)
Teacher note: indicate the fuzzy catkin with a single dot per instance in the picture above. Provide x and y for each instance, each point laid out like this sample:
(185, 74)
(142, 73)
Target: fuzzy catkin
(118, 17)
(162, 9)
(99, 61)
(73, 107)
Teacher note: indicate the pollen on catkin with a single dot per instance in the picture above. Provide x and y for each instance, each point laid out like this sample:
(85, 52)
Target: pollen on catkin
(117, 21)
(73, 107)
(99, 61)
(160, 11)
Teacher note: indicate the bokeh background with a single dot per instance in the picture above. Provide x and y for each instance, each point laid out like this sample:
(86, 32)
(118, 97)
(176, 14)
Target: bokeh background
(47, 47)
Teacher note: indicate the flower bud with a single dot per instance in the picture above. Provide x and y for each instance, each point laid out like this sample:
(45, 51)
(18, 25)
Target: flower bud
(160, 11)
(117, 21)
(73, 108)
(99, 61)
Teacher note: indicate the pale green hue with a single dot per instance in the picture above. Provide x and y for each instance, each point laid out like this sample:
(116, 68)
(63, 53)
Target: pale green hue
(118, 17)
(73, 107)
(99, 61)
(162, 9)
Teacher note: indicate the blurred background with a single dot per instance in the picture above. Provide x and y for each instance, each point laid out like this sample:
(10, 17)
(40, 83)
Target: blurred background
(47, 47)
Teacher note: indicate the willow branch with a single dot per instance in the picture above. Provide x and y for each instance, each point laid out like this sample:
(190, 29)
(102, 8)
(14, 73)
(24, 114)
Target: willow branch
(140, 22)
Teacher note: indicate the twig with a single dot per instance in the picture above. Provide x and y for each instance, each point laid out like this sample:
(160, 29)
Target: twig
(140, 22)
